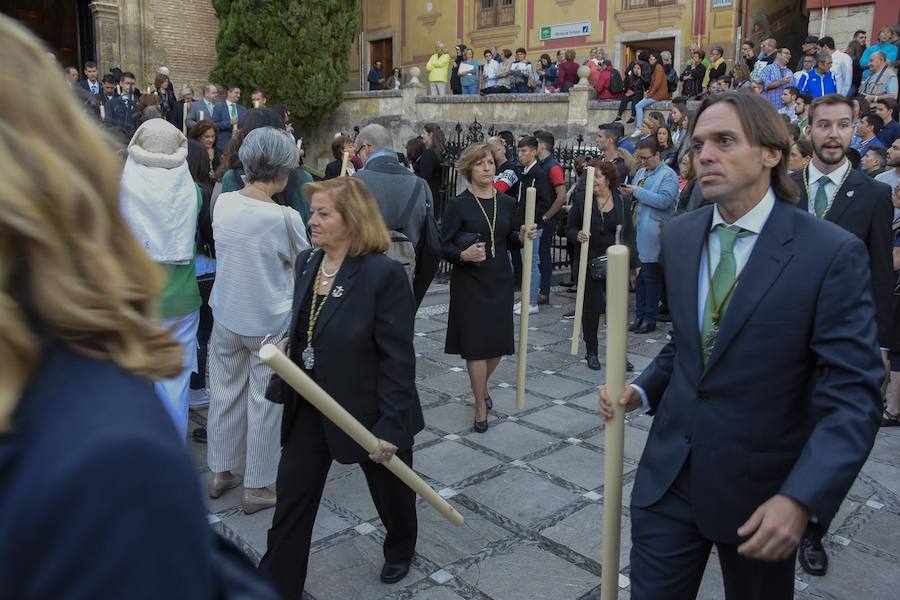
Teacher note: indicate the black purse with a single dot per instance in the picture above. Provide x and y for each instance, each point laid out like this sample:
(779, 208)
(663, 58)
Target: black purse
(598, 268)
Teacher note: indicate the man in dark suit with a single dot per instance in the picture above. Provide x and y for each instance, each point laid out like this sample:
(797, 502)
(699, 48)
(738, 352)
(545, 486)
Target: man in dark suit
(863, 207)
(404, 199)
(227, 115)
(766, 401)
(107, 95)
(90, 84)
(123, 111)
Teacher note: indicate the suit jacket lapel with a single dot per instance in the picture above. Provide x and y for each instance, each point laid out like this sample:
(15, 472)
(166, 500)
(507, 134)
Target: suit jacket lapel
(767, 261)
(843, 197)
(686, 311)
(339, 290)
(304, 274)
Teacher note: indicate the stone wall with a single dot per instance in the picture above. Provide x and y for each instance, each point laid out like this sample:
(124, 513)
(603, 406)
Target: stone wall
(404, 113)
(182, 39)
(843, 21)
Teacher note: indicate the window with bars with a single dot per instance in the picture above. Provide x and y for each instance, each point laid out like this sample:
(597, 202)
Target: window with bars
(496, 13)
(636, 4)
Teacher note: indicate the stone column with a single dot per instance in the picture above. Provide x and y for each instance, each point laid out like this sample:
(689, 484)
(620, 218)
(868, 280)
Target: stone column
(106, 34)
(409, 119)
(579, 95)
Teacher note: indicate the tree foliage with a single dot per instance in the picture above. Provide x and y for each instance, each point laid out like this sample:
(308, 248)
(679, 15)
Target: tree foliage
(297, 51)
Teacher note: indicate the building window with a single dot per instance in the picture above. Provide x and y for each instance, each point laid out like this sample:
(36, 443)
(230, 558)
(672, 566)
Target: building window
(496, 13)
(636, 4)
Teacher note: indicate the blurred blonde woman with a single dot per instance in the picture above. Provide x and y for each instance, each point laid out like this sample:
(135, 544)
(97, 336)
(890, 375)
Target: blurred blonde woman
(89, 457)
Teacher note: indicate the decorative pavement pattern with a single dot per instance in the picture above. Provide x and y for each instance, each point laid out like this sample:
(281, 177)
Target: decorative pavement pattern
(531, 489)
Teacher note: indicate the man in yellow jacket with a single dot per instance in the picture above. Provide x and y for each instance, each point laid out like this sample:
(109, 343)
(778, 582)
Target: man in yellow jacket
(438, 71)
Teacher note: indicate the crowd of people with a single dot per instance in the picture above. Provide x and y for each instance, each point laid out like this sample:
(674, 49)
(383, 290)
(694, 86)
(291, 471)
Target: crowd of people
(334, 271)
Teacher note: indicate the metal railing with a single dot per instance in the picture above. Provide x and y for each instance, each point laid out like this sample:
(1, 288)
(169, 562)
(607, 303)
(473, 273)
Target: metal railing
(638, 4)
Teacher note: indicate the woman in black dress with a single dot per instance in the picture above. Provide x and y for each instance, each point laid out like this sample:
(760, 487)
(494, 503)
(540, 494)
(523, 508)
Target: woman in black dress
(609, 211)
(431, 159)
(479, 226)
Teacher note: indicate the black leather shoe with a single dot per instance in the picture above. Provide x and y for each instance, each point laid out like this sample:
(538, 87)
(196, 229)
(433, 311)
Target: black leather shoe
(646, 328)
(812, 556)
(480, 426)
(394, 572)
(635, 324)
(593, 362)
(488, 402)
(199, 435)
(631, 120)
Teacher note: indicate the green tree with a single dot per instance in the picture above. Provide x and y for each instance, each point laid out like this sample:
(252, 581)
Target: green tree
(295, 50)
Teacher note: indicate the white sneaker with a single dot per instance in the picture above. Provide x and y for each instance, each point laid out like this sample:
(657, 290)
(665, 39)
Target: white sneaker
(532, 308)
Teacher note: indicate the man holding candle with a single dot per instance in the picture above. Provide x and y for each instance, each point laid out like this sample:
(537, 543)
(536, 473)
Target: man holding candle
(767, 399)
(203, 109)
(227, 115)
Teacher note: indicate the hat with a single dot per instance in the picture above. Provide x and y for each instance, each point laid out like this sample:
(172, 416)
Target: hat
(158, 143)
(811, 39)
(186, 89)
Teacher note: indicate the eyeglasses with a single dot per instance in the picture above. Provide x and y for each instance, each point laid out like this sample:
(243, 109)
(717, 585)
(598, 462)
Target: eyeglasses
(643, 158)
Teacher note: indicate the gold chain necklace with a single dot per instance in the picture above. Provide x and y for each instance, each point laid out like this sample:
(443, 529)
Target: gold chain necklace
(838, 189)
(315, 309)
(491, 224)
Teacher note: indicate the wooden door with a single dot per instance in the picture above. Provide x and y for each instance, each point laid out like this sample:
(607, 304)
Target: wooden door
(382, 50)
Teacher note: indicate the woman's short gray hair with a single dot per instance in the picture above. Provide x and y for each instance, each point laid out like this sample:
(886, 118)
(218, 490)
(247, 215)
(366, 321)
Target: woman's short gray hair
(665, 55)
(268, 154)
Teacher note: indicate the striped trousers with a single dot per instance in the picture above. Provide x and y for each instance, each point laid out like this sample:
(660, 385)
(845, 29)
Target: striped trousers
(243, 428)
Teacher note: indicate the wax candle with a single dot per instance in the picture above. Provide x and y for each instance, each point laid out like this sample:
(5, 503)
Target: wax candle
(527, 258)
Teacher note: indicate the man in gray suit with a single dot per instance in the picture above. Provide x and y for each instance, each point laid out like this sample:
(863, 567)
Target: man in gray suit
(395, 187)
(205, 105)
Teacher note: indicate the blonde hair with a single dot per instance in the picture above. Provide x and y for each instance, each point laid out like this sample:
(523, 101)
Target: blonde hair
(471, 156)
(360, 211)
(70, 272)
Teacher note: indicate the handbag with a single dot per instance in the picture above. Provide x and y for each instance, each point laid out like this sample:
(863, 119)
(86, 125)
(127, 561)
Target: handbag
(598, 268)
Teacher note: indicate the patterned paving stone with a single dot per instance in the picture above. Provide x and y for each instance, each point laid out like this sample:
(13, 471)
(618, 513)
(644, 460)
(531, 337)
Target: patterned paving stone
(575, 464)
(563, 420)
(555, 386)
(449, 462)
(512, 440)
(521, 496)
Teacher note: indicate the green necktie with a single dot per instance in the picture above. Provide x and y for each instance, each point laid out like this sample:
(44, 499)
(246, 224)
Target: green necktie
(721, 284)
(233, 110)
(821, 201)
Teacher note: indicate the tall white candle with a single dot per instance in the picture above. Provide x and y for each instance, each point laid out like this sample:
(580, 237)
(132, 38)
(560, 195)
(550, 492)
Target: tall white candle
(527, 258)
(583, 258)
(614, 437)
(345, 163)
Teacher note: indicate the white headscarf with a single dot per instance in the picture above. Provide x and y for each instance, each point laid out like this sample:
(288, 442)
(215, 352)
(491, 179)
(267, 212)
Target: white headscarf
(158, 197)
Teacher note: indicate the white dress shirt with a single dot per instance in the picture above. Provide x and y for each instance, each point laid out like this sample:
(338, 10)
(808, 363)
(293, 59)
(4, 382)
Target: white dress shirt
(842, 67)
(753, 221)
(834, 180)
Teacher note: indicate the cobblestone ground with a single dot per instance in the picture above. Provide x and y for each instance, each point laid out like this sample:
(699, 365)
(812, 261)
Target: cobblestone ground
(531, 489)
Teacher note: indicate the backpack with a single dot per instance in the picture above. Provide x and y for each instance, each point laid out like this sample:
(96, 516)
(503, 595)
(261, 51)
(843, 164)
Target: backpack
(672, 80)
(401, 248)
(616, 85)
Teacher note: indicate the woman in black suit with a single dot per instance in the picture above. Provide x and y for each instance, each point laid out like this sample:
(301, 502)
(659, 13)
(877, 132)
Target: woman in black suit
(608, 212)
(479, 226)
(353, 309)
(339, 145)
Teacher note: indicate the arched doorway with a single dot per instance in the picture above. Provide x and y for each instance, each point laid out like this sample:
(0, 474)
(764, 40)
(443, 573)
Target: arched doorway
(66, 27)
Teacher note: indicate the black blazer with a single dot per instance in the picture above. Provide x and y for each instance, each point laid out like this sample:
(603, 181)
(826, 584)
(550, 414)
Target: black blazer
(863, 207)
(602, 235)
(364, 352)
(790, 399)
(91, 465)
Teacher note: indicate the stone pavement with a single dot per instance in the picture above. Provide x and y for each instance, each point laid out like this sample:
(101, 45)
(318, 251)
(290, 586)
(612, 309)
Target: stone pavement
(531, 489)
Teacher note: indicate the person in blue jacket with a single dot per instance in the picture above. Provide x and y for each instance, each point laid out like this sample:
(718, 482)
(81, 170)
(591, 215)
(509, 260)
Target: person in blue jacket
(820, 81)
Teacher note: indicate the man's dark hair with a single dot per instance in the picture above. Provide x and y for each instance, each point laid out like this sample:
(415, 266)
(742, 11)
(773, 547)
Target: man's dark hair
(648, 144)
(620, 130)
(606, 62)
(108, 79)
(546, 138)
(792, 90)
(858, 31)
(508, 138)
(90, 65)
(260, 90)
(486, 52)
(749, 43)
(528, 140)
(890, 104)
(875, 122)
(854, 158)
(610, 131)
(807, 98)
(786, 119)
(793, 131)
(128, 74)
(879, 152)
(522, 50)
(827, 42)
(804, 146)
(829, 100)
(763, 127)
(231, 87)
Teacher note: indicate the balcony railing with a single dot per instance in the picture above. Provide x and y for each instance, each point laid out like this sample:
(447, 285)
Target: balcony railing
(638, 4)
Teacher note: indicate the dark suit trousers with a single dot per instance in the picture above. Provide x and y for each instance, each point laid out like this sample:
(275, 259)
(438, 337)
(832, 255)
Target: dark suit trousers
(594, 306)
(669, 555)
(305, 461)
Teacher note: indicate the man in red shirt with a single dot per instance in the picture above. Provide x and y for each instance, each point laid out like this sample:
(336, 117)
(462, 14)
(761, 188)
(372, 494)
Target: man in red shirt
(604, 79)
(557, 178)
